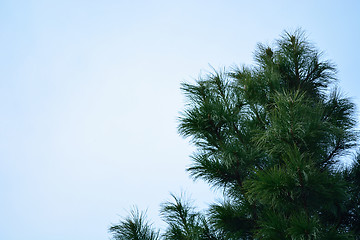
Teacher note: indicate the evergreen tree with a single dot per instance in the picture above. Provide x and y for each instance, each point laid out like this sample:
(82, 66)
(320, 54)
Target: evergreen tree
(273, 136)
(134, 227)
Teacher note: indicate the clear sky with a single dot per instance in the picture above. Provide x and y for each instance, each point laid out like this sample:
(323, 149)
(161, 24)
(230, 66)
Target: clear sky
(89, 99)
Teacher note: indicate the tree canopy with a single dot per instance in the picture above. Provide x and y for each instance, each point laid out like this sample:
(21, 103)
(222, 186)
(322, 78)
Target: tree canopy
(274, 137)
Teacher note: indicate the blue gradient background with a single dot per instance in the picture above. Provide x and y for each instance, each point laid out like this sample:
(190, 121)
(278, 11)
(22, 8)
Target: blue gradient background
(89, 99)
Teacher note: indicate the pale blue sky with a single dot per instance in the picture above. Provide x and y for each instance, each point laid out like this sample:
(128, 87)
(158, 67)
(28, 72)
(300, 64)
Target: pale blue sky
(89, 97)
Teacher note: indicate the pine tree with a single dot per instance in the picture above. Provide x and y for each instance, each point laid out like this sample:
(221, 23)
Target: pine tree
(134, 227)
(273, 137)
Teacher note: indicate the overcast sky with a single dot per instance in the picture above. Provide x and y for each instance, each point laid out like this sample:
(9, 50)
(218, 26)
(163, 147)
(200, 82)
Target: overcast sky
(89, 99)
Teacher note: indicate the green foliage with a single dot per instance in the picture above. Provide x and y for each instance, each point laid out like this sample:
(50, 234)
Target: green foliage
(232, 219)
(273, 137)
(184, 222)
(134, 227)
